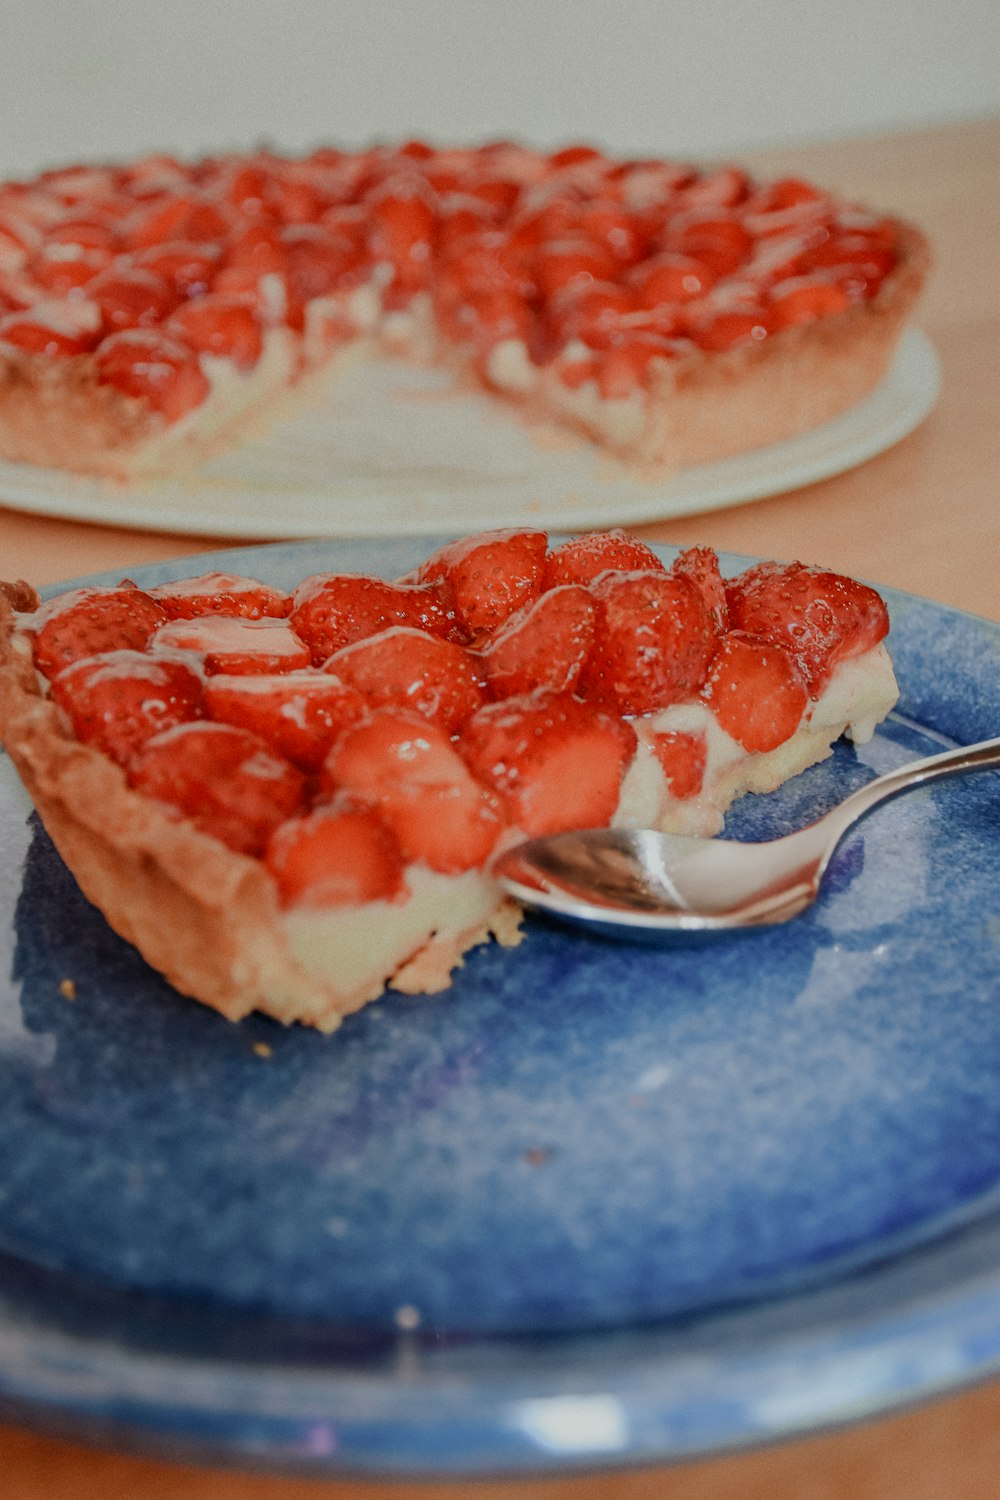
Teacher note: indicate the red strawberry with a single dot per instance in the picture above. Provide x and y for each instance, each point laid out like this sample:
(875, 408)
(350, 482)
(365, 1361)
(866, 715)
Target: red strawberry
(584, 558)
(301, 714)
(154, 369)
(488, 576)
(186, 266)
(821, 617)
(408, 769)
(700, 565)
(226, 326)
(653, 641)
(220, 594)
(64, 274)
(228, 643)
(119, 699)
(670, 277)
(401, 230)
(131, 298)
(727, 329)
(225, 780)
(563, 262)
(331, 610)
(338, 855)
(803, 299)
(543, 645)
(405, 668)
(88, 621)
(756, 691)
(623, 368)
(683, 757)
(557, 762)
(26, 332)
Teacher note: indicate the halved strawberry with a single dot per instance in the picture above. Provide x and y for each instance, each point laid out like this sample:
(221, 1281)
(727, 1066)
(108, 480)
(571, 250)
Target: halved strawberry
(803, 299)
(131, 298)
(301, 714)
(227, 781)
(221, 594)
(185, 265)
(408, 769)
(406, 668)
(543, 645)
(224, 325)
(87, 621)
(583, 558)
(330, 610)
(683, 757)
(670, 277)
(557, 762)
(154, 369)
(31, 333)
(340, 854)
(700, 565)
(118, 700)
(822, 617)
(653, 641)
(756, 691)
(488, 576)
(231, 644)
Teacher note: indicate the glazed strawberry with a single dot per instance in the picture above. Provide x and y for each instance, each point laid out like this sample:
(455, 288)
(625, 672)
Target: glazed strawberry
(89, 621)
(557, 762)
(226, 326)
(700, 565)
(653, 641)
(821, 617)
(584, 558)
(231, 644)
(624, 368)
(61, 274)
(221, 594)
(131, 298)
(756, 691)
(406, 668)
(670, 277)
(177, 218)
(186, 266)
(119, 699)
(409, 771)
(330, 610)
(542, 645)
(316, 260)
(488, 576)
(339, 854)
(560, 263)
(593, 311)
(683, 757)
(719, 241)
(225, 780)
(802, 299)
(725, 330)
(27, 332)
(148, 367)
(402, 220)
(300, 714)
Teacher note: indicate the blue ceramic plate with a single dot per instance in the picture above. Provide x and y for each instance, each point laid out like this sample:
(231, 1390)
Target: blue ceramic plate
(598, 1203)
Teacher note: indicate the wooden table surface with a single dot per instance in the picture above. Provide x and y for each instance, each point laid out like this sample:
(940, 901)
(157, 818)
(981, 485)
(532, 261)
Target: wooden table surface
(924, 517)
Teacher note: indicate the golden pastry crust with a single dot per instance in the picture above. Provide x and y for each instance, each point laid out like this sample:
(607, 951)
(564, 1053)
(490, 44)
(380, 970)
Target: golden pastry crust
(205, 917)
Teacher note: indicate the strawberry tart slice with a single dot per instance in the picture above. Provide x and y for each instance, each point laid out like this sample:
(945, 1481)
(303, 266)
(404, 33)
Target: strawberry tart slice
(287, 801)
(155, 312)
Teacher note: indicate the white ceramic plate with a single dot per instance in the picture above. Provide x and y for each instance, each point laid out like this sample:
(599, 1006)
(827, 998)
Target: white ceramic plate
(398, 454)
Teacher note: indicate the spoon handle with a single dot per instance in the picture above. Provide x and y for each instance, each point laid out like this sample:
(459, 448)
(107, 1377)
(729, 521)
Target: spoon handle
(981, 757)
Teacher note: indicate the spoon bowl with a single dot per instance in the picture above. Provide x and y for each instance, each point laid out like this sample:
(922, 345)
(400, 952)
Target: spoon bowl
(648, 883)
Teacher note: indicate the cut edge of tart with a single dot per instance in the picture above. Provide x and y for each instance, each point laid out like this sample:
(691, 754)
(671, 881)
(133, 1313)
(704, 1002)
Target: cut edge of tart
(668, 315)
(349, 875)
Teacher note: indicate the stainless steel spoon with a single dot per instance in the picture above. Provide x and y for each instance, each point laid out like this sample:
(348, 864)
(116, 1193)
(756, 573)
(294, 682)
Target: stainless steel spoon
(654, 883)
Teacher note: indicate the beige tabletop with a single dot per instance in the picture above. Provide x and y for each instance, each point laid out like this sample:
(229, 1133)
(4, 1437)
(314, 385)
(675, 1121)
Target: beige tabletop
(924, 516)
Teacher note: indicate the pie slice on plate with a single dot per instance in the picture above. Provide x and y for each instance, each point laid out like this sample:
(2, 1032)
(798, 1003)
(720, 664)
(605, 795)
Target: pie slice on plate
(289, 801)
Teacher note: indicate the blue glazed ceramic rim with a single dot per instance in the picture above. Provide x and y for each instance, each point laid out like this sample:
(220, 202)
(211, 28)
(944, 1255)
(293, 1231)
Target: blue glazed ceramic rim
(194, 1381)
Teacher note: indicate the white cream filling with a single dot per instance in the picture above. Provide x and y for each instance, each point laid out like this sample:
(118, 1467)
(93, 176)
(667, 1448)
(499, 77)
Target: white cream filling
(357, 948)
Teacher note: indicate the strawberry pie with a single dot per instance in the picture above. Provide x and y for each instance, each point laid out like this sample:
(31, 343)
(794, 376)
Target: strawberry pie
(287, 801)
(157, 312)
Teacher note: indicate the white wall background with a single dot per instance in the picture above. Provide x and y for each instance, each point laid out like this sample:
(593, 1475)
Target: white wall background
(84, 79)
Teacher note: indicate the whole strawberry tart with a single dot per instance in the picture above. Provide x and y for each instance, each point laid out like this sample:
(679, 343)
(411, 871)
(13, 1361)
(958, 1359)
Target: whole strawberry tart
(289, 801)
(156, 312)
